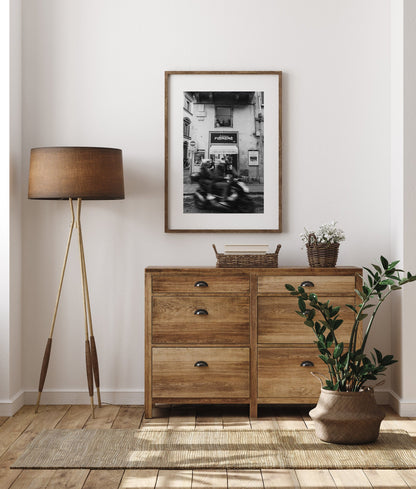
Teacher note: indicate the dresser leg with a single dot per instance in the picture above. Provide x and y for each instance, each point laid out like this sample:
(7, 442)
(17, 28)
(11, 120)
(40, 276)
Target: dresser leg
(253, 409)
(148, 410)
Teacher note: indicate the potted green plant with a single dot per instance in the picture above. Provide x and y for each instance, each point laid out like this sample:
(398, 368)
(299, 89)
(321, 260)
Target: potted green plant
(322, 245)
(346, 411)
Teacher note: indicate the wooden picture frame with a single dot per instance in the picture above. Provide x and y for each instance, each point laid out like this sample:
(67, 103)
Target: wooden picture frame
(229, 122)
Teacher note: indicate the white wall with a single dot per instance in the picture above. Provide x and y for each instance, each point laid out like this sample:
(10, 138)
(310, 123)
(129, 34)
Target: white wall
(403, 228)
(409, 156)
(397, 180)
(93, 75)
(11, 397)
(16, 190)
(5, 208)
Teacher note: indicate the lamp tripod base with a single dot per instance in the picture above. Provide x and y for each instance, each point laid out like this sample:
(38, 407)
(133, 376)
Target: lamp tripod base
(92, 407)
(38, 402)
(91, 357)
(98, 397)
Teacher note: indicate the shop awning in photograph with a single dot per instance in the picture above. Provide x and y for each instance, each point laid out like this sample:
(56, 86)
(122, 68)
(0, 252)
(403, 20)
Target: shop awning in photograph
(226, 149)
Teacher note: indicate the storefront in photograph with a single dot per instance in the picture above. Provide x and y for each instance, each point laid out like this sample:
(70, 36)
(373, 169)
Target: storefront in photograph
(225, 126)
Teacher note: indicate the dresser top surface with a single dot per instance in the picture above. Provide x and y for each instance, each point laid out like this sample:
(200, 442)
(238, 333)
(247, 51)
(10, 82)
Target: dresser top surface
(345, 270)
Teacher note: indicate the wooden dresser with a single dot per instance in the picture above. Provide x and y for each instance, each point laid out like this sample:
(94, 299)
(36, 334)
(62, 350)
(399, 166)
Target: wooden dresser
(231, 335)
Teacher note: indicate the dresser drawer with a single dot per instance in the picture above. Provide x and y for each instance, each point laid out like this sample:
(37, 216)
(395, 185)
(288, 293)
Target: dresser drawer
(279, 323)
(201, 320)
(226, 374)
(333, 285)
(281, 374)
(201, 283)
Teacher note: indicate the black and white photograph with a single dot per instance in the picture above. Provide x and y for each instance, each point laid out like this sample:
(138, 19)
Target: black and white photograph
(223, 152)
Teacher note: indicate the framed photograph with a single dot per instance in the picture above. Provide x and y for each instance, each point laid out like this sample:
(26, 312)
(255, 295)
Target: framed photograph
(223, 151)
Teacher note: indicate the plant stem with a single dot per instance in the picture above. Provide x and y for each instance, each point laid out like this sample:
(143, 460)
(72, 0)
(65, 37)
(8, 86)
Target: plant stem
(367, 331)
(354, 332)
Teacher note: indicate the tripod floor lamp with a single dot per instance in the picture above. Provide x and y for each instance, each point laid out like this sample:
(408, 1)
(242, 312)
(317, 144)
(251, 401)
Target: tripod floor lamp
(76, 173)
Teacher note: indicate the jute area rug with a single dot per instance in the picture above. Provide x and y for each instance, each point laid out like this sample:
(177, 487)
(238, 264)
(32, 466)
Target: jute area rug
(168, 449)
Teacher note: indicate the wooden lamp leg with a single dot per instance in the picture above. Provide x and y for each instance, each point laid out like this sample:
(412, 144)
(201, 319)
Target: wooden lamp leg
(90, 359)
(48, 348)
(94, 356)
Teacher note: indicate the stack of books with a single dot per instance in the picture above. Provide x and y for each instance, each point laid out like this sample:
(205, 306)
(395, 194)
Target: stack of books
(249, 249)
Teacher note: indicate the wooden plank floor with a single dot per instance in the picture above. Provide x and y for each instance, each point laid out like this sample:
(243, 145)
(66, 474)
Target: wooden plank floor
(17, 431)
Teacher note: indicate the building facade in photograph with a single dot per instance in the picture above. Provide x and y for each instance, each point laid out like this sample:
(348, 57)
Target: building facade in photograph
(225, 125)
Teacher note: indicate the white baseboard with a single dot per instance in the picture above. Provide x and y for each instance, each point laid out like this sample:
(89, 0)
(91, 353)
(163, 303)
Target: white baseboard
(10, 406)
(382, 396)
(390, 398)
(136, 398)
(81, 397)
(402, 407)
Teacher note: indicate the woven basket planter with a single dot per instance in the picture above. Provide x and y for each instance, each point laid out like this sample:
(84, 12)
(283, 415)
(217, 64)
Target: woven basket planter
(322, 255)
(349, 418)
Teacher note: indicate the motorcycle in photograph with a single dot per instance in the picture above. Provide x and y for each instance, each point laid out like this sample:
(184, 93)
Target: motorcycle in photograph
(238, 200)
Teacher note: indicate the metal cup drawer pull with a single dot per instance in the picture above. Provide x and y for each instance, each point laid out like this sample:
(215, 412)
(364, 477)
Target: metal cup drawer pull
(307, 363)
(307, 283)
(201, 312)
(201, 363)
(200, 283)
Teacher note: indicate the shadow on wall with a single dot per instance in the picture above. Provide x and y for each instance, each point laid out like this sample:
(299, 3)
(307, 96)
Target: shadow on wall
(139, 183)
(144, 198)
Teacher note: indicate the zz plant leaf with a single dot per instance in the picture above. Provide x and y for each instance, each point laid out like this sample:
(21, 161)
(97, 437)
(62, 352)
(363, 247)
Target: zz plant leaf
(349, 367)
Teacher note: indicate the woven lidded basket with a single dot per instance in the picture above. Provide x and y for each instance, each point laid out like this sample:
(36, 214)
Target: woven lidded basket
(267, 260)
(321, 254)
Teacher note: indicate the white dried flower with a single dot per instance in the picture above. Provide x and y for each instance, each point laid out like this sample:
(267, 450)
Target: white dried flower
(327, 233)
